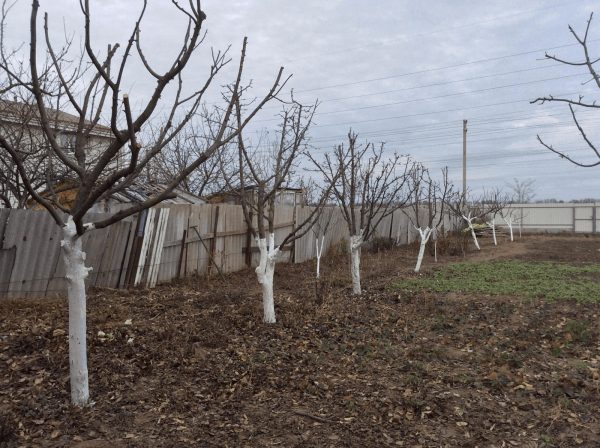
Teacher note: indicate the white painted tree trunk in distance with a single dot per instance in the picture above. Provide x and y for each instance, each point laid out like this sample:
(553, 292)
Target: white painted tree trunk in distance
(492, 224)
(319, 253)
(434, 233)
(355, 244)
(470, 222)
(264, 274)
(76, 273)
(398, 234)
(509, 223)
(424, 234)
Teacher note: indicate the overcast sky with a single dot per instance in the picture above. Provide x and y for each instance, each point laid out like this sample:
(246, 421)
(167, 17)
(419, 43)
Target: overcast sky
(406, 73)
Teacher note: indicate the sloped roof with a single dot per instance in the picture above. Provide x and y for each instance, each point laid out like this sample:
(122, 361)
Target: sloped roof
(16, 110)
(138, 192)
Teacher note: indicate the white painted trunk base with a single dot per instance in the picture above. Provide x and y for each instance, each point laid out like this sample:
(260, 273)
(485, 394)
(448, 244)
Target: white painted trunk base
(76, 273)
(469, 220)
(264, 273)
(509, 223)
(319, 253)
(355, 244)
(492, 224)
(424, 235)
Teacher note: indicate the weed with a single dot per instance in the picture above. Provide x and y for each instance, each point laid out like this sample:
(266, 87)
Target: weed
(513, 278)
(578, 330)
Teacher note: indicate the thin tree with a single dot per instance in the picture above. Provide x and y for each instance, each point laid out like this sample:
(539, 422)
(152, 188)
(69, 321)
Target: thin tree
(493, 203)
(523, 191)
(210, 177)
(93, 93)
(264, 169)
(370, 187)
(427, 208)
(590, 63)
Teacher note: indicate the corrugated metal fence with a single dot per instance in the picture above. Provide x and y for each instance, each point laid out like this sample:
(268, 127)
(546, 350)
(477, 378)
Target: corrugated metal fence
(158, 245)
(566, 217)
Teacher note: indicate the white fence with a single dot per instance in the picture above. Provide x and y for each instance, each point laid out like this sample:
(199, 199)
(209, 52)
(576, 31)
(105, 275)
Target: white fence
(566, 217)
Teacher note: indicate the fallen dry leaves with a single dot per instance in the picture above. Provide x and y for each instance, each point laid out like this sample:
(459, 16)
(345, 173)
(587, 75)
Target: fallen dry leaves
(192, 365)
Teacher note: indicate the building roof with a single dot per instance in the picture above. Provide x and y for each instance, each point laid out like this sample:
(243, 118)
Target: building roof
(138, 192)
(15, 111)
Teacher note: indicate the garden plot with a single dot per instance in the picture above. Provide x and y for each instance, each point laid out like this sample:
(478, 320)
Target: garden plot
(406, 364)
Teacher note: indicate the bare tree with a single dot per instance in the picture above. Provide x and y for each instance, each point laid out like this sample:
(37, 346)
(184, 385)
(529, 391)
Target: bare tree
(589, 62)
(427, 207)
(493, 203)
(523, 191)
(264, 169)
(93, 88)
(370, 187)
(209, 178)
(488, 204)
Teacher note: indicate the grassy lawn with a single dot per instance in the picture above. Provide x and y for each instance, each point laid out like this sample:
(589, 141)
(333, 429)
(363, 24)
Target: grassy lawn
(514, 278)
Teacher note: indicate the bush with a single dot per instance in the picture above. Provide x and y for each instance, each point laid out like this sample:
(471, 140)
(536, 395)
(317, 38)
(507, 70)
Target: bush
(380, 243)
(338, 249)
(452, 243)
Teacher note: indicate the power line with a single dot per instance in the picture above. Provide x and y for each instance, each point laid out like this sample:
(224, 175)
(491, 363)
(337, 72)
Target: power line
(487, 89)
(429, 70)
(420, 114)
(441, 83)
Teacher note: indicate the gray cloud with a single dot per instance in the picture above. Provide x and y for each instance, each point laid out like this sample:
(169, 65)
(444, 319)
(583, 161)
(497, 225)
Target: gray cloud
(340, 42)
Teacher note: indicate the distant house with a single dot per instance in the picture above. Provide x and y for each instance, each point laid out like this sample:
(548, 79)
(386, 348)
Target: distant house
(15, 115)
(21, 126)
(284, 196)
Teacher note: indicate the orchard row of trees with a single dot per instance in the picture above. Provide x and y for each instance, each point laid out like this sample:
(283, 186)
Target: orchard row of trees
(172, 138)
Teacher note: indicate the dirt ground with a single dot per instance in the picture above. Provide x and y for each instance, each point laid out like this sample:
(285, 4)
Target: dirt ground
(386, 369)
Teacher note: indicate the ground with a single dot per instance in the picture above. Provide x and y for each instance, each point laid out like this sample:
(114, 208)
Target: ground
(404, 365)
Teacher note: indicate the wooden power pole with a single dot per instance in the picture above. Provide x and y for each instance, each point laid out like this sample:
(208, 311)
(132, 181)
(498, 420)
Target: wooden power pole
(464, 189)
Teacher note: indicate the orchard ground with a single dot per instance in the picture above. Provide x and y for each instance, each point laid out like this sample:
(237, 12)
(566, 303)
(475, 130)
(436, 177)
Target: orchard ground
(434, 360)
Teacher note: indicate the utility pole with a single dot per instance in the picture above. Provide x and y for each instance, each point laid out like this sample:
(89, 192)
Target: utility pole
(464, 189)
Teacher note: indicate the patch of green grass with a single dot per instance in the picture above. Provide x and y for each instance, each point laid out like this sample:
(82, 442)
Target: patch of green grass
(514, 278)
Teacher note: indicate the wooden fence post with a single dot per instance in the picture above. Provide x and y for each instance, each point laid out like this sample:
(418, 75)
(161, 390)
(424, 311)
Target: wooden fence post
(181, 253)
(249, 243)
(213, 243)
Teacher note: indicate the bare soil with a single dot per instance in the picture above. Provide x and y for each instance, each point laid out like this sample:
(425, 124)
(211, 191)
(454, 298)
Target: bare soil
(386, 369)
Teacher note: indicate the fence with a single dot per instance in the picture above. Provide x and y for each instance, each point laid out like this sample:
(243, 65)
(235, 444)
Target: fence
(158, 245)
(567, 217)
(173, 241)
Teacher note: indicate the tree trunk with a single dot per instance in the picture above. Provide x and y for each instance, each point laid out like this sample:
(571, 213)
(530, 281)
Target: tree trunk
(76, 272)
(264, 274)
(424, 234)
(355, 243)
(319, 253)
(510, 227)
(474, 237)
(492, 224)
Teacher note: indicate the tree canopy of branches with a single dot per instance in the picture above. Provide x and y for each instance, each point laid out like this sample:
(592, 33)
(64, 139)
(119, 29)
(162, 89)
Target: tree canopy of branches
(92, 85)
(589, 62)
(370, 187)
(523, 191)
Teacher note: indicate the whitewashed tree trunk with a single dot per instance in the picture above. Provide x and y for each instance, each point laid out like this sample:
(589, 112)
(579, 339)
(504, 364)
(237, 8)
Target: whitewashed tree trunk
(319, 253)
(76, 273)
(424, 234)
(509, 223)
(398, 232)
(470, 222)
(264, 274)
(355, 244)
(492, 224)
(434, 233)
